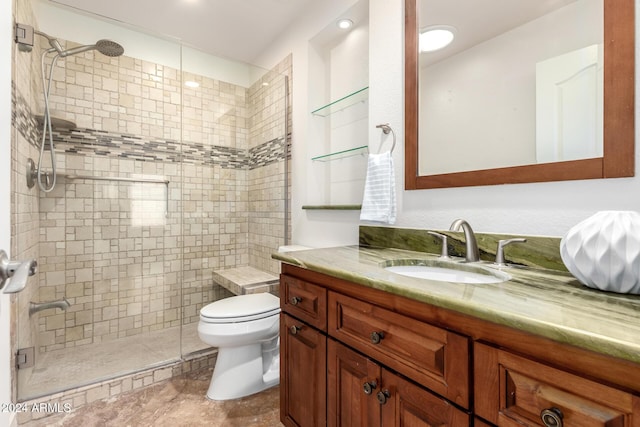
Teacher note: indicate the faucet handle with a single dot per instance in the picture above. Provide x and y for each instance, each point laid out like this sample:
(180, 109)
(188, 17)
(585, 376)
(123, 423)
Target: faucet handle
(500, 251)
(444, 253)
(14, 274)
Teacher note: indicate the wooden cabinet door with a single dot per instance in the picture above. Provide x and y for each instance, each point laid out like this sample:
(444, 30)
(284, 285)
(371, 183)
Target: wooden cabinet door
(303, 370)
(352, 383)
(511, 390)
(404, 404)
(477, 422)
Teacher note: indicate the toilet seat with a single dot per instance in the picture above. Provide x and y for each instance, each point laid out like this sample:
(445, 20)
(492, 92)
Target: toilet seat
(241, 308)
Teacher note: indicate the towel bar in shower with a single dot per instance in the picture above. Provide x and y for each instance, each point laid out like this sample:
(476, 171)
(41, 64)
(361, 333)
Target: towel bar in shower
(116, 178)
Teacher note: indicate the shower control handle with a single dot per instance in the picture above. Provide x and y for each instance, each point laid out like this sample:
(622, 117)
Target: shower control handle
(295, 300)
(14, 274)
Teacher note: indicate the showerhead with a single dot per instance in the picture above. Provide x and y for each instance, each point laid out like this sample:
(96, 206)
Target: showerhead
(105, 47)
(109, 48)
(24, 38)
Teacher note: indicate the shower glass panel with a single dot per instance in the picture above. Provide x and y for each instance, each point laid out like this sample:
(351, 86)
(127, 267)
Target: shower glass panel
(163, 190)
(234, 181)
(107, 236)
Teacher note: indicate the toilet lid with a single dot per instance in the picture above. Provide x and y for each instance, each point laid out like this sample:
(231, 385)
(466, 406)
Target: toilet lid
(241, 308)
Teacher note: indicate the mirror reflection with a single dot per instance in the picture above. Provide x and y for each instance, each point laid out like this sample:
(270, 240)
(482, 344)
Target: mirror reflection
(518, 83)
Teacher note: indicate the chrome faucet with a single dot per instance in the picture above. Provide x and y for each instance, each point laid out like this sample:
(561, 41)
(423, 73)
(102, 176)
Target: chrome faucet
(473, 254)
(35, 307)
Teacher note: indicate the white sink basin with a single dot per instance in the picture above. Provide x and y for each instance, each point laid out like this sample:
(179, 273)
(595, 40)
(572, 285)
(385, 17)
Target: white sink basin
(446, 274)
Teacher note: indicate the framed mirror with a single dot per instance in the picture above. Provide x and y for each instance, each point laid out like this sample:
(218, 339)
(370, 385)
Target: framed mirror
(536, 137)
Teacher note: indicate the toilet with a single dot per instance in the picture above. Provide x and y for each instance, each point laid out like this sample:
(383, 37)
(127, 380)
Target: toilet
(245, 329)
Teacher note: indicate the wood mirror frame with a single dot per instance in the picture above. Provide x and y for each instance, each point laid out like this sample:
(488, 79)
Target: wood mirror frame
(619, 130)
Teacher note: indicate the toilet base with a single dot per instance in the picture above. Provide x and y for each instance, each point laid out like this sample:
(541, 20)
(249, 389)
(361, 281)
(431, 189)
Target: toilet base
(241, 371)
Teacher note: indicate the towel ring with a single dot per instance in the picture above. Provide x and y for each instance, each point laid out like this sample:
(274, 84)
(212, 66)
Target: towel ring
(386, 129)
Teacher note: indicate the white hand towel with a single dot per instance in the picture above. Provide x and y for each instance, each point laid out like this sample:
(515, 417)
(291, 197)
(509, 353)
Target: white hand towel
(379, 201)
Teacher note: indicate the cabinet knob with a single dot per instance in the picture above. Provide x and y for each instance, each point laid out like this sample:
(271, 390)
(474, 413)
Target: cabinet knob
(293, 330)
(295, 300)
(551, 417)
(383, 396)
(368, 387)
(376, 337)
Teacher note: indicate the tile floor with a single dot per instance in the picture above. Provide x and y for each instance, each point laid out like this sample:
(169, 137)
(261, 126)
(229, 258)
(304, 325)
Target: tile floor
(73, 367)
(180, 401)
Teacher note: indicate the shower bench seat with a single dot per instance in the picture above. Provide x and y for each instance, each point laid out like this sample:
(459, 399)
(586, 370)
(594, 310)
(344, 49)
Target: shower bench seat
(246, 280)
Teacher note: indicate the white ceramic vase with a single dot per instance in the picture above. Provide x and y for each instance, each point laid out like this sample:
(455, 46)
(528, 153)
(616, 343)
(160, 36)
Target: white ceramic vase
(603, 251)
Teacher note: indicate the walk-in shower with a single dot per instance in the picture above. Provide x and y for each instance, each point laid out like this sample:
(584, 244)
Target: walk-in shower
(47, 181)
(161, 189)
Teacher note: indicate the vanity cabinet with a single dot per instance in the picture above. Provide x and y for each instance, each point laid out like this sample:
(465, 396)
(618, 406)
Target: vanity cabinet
(410, 369)
(516, 391)
(373, 358)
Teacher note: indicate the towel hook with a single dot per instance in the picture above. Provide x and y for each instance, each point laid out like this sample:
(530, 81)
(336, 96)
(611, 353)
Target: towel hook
(386, 129)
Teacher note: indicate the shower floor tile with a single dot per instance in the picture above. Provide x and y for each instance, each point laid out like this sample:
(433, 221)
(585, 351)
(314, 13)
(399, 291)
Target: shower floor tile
(180, 401)
(77, 366)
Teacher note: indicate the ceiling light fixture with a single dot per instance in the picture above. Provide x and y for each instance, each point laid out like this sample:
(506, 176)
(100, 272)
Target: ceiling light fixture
(345, 24)
(191, 83)
(436, 37)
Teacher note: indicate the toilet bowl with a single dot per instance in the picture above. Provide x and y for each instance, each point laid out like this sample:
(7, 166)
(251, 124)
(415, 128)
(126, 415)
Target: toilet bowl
(245, 330)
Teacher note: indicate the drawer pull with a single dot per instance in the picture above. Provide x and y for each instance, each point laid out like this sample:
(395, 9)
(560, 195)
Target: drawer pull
(294, 330)
(383, 396)
(368, 387)
(376, 337)
(551, 417)
(295, 300)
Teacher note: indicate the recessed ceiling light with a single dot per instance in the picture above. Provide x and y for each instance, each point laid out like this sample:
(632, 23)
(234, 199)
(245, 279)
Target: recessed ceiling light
(345, 24)
(436, 37)
(191, 83)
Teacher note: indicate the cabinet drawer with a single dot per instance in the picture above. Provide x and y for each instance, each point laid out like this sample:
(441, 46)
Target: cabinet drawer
(304, 300)
(434, 357)
(514, 391)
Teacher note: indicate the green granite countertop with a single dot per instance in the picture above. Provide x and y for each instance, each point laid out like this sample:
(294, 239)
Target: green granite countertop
(548, 303)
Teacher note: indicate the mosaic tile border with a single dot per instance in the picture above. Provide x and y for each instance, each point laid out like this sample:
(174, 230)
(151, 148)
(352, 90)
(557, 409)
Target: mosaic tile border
(101, 143)
(81, 396)
(21, 116)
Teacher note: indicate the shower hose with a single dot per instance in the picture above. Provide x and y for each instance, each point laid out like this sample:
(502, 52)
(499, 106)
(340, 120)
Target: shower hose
(47, 133)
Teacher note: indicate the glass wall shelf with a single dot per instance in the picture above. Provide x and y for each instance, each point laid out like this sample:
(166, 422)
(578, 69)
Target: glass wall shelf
(341, 154)
(342, 103)
(333, 207)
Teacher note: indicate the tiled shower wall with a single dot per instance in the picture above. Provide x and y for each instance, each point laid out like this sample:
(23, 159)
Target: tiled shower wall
(125, 262)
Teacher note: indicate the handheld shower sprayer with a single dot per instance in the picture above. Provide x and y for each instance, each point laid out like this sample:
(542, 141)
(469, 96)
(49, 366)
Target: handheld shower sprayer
(105, 47)
(24, 35)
